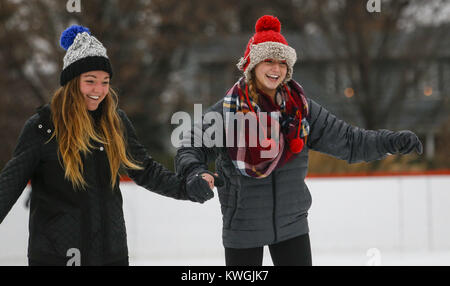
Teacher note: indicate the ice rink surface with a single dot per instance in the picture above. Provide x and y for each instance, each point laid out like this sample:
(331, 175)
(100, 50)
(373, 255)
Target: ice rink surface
(359, 221)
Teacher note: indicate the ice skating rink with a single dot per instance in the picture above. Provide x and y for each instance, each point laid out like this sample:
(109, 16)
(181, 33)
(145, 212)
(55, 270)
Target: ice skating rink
(386, 220)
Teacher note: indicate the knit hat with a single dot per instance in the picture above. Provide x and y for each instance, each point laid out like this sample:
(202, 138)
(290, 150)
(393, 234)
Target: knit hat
(267, 43)
(84, 53)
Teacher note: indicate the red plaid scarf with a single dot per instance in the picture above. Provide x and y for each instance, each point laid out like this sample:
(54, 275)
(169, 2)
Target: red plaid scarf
(256, 160)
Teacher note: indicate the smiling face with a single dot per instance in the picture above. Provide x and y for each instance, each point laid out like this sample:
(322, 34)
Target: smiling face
(269, 75)
(94, 86)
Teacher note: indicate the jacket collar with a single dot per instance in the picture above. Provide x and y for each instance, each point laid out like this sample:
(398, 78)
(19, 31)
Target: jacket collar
(45, 124)
(45, 113)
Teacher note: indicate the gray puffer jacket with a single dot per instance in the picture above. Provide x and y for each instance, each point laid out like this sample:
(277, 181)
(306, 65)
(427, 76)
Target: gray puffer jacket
(259, 212)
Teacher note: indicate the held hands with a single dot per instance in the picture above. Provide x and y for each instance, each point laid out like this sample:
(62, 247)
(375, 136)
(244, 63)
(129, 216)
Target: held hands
(199, 186)
(403, 142)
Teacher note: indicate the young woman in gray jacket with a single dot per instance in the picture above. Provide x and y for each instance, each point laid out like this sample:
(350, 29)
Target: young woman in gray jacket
(264, 199)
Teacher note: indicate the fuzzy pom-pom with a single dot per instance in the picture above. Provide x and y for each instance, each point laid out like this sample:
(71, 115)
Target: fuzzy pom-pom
(69, 34)
(268, 23)
(296, 145)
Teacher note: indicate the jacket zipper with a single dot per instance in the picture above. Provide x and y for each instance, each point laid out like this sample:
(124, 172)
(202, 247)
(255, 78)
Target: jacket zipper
(101, 196)
(274, 207)
(105, 247)
(85, 223)
(85, 228)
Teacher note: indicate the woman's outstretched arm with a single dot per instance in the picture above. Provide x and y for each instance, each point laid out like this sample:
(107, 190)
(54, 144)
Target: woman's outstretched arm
(335, 137)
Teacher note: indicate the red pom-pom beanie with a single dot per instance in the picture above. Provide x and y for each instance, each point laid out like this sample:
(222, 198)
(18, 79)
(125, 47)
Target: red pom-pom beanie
(267, 43)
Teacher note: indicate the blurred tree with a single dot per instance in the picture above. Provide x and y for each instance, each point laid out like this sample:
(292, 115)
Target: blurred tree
(389, 64)
(141, 38)
(379, 60)
(24, 67)
(372, 56)
(148, 40)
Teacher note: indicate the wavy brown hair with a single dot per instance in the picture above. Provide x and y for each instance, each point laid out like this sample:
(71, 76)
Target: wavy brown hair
(252, 87)
(75, 131)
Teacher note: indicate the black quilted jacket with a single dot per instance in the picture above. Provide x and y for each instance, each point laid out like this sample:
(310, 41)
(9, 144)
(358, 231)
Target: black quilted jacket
(62, 218)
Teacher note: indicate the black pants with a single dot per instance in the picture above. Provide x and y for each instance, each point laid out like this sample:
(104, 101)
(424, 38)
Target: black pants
(292, 252)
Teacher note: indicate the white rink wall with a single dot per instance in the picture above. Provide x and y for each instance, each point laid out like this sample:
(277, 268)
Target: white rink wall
(405, 218)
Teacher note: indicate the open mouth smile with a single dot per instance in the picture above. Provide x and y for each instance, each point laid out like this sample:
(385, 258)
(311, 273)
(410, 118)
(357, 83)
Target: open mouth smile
(272, 77)
(94, 97)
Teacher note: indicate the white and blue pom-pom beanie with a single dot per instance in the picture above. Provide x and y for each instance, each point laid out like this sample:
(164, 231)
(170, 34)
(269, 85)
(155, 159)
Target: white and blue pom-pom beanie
(84, 53)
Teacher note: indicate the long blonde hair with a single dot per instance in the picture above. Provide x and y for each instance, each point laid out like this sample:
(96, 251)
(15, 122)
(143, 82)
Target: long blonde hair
(75, 131)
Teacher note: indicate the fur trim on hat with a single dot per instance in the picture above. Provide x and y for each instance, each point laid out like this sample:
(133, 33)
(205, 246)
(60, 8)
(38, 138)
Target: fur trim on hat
(268, 50)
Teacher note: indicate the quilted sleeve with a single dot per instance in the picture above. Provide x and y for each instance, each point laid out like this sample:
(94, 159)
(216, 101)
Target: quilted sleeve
(19, 170)
(154, 176)
(337, 138)
(190, 159)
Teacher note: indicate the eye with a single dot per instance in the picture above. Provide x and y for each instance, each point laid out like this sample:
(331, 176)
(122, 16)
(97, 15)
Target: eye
(105, 82)
(89, 81)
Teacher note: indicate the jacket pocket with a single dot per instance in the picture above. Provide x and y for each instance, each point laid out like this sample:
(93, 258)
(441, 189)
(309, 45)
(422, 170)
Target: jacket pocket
(230, 220)
(230, 210)
(229, 197)
(64, 233)
(116, 230)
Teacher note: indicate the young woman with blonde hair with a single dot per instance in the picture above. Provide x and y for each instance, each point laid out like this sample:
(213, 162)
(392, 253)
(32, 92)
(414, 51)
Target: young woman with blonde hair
(72, 151)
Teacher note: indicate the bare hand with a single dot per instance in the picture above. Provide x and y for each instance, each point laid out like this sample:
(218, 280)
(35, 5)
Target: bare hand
(209, 179)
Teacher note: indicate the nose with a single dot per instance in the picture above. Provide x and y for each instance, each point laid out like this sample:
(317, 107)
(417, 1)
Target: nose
(98, 88)
(276, 67)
